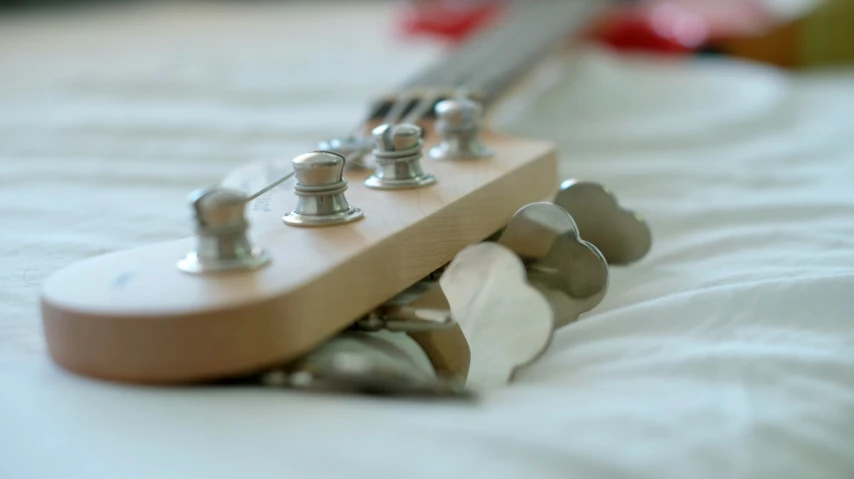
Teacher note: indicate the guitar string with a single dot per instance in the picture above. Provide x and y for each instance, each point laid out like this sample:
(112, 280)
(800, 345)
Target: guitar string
(560, 19)
(271, 186)
(548, 24)
(494, 61)
(493, 65)
(496, 75)
(493, 41)
(454, 73)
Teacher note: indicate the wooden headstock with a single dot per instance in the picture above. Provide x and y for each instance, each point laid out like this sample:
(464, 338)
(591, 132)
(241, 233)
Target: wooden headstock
(134, 316)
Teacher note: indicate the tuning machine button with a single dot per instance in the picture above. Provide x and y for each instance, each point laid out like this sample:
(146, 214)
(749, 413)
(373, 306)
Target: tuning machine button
(622, 236)
(397, 157)
(570, 271)
(508, 296)
(458, 126)
(506, 322)
(221, 233)
(379, 363)
(320, 188)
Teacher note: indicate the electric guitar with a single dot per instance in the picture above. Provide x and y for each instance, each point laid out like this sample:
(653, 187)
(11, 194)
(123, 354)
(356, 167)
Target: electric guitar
(422, 253)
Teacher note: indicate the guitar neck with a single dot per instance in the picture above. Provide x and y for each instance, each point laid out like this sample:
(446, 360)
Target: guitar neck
(495, 59)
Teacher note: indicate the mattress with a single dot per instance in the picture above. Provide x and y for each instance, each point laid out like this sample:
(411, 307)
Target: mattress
(727, 352)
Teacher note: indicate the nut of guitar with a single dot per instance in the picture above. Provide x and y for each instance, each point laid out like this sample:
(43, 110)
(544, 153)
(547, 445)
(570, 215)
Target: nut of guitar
(133, 316)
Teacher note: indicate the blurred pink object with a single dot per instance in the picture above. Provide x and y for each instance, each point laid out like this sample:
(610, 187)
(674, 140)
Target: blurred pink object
(680, 26)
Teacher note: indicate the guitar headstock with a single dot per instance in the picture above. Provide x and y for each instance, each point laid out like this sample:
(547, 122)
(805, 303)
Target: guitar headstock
(299, 274)
(422, 223)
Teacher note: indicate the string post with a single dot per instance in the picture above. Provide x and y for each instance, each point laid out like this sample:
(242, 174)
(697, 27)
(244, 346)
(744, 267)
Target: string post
(320, 191)
(398, 158)
(222, 241)
(458, 126)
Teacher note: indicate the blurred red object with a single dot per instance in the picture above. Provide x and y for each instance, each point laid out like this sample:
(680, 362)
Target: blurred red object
(632, 29)
(452, 20)
(663, 26)
(679, 26)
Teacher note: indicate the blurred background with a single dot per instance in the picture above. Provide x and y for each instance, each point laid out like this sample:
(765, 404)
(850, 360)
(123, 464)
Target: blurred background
(120, 96)
(787, 33)
(172, 95)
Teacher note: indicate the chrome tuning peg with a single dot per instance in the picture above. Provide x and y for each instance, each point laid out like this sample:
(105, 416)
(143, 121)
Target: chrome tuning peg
(622, 236)
(379, 363)
(507, 322)
(458, 126)
(398, 158)
(320, 188)
(509, 296)
(571, 271)
(222, 243)
(409, 346)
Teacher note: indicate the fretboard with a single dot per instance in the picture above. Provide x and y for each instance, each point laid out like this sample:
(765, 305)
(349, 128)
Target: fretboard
(494, 59)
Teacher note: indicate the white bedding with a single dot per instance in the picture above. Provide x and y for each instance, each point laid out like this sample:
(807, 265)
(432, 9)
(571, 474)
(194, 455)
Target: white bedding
(727, 353)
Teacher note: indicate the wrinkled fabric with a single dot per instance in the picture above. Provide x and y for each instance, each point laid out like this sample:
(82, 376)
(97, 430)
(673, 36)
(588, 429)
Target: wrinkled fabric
(727, 352)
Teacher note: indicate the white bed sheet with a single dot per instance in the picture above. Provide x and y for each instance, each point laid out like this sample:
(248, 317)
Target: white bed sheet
(726, 353)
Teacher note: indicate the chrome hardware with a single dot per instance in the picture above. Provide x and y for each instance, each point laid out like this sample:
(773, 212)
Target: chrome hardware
(397, 157)
(506, 322)
(509, 296)
(320, 188)
(621, 235)
(353, 148)
(221, 233)
(570, 271)
(458, 126)
(382, 363)
(398, 314)
(406, 319)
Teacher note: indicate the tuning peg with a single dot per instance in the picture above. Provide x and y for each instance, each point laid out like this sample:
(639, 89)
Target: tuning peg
(621, 235)
(507, 322)
(508, 296)
(572, 272)
(222, 243)
(382, 363)
(398, 154)
(320, 190)
(458, 126)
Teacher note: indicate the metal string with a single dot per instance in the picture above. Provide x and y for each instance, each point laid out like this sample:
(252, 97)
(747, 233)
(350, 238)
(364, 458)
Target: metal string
(487, 64)
(271, 186)
(458, 71)
(462, 66)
